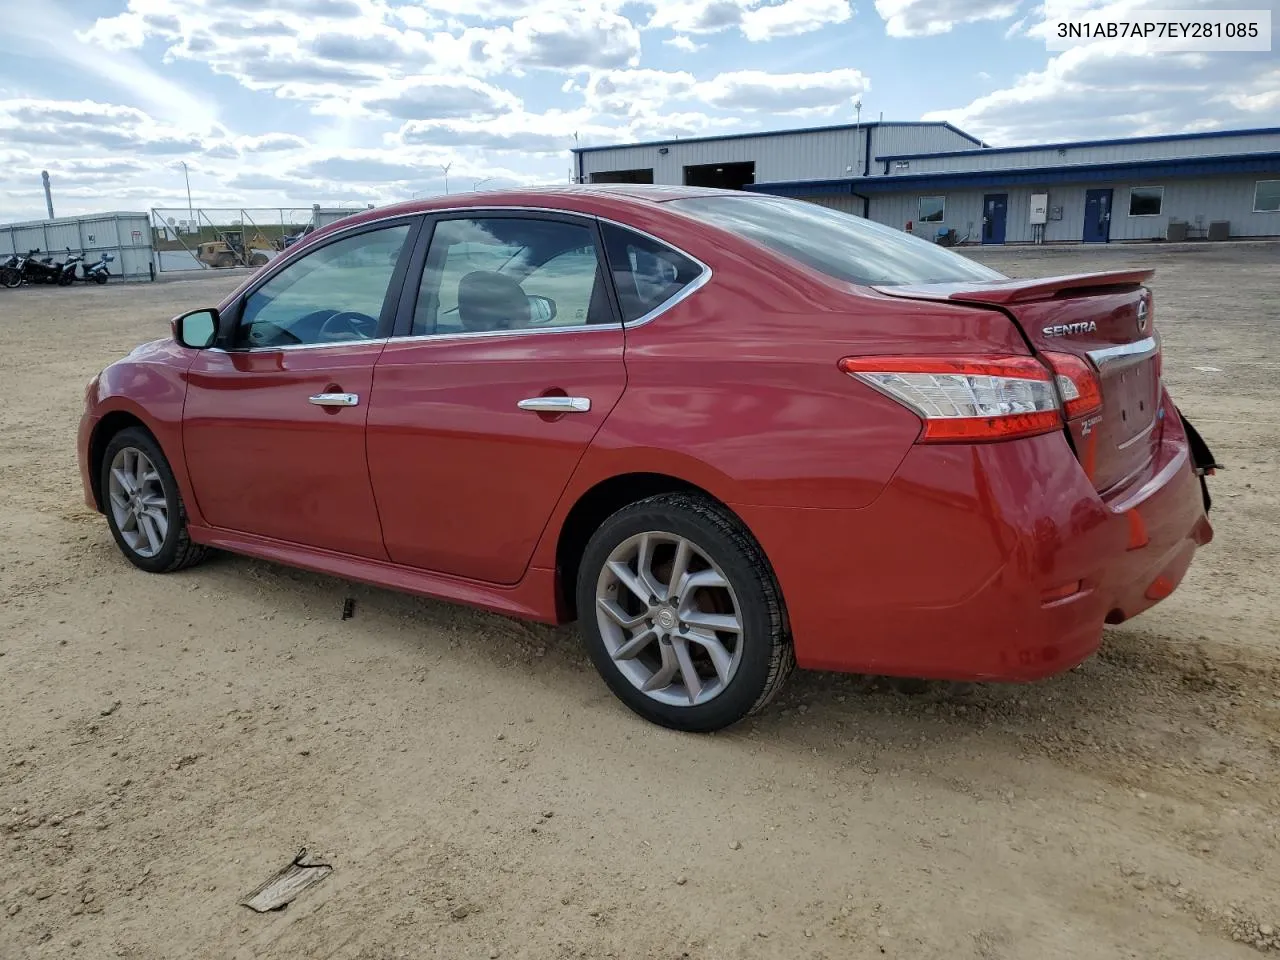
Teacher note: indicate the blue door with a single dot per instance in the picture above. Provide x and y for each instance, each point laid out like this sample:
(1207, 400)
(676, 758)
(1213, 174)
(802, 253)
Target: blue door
(1097, 216)
(995, 207)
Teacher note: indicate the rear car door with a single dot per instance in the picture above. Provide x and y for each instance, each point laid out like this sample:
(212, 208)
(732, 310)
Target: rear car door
(274, 420)
(509, 360)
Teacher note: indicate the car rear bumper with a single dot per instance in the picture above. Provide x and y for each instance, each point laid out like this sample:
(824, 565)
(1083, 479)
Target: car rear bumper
(984, 562)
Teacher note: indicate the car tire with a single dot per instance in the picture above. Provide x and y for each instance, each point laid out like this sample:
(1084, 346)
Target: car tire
(143, 505)
(636, 644)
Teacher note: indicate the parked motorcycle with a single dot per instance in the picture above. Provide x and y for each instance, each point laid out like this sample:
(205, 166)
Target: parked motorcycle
(42, 270)
(68, 275)
(11, 272)
(98, 272)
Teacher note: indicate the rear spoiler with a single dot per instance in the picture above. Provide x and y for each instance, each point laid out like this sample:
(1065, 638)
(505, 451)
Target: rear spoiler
(1002, 292)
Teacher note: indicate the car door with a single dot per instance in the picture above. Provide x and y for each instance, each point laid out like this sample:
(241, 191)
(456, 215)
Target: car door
(274, 421)
(511, 359)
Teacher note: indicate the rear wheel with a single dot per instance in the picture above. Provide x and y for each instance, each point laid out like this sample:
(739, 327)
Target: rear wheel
(143, 506)
(682, 615)
(100, 277)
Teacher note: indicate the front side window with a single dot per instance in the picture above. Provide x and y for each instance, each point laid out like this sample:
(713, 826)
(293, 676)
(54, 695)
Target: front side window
(837, 244)
(507, 273)
(646, 273)
(1266, 196)
(1145, 201)
(933, 209)
(332, 295)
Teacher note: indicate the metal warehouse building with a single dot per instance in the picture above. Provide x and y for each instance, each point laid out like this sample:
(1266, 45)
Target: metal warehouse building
(942, 183)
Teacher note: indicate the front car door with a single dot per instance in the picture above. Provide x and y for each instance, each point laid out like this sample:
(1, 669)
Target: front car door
(274, 420)
(511, 359)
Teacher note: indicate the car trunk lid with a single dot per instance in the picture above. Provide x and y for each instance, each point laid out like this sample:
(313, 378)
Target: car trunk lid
(1104, 319)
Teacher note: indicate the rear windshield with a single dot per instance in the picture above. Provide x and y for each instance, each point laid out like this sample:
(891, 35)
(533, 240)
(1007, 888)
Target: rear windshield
(837, 244)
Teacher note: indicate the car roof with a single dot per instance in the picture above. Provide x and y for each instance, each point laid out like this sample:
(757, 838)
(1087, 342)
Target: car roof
(602, 198)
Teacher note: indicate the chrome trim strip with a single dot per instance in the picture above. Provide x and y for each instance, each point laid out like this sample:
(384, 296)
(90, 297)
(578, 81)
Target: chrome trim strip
(1124, 354)
(1137, 436)
(335, 399)
(556, 404)
(301, 346)
(476, 334)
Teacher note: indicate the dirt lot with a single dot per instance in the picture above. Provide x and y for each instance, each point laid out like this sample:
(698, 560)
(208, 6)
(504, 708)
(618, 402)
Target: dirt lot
(170, 742)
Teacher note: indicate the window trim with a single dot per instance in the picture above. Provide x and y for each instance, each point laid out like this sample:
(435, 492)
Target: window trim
(1256, 184)
(932, 196)
(1145, 186)
(230, 318)
(409, 292)
(401, 330)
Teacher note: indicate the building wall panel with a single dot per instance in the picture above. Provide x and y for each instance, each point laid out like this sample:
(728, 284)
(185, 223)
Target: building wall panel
(1196, 201)
(1111, 153)
(808, 156)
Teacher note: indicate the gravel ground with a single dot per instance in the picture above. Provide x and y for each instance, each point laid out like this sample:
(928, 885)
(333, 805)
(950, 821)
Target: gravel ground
(170, 742)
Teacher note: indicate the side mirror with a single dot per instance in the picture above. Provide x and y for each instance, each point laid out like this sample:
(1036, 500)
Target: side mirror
(197, 329)
(541, 309)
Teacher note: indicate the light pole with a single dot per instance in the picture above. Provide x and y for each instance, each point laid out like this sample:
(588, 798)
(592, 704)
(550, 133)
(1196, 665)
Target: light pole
(445, 167)
(191, 214)
(476, 185)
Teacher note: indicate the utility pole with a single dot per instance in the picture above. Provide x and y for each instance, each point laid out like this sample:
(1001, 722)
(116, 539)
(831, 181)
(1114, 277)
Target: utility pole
(573, 162)
(857, 127)
(475, 185)
(48, 194)
(191, 214)
(445, 167)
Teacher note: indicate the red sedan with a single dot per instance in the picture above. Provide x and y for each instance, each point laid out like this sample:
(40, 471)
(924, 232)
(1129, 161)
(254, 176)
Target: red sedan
(729, 433)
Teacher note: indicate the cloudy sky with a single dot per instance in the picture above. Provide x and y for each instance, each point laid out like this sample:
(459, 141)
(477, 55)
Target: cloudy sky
(289, 102)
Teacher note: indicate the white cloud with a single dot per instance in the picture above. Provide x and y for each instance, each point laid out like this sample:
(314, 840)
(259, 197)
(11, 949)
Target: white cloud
(630, 92)
(427, 97)
(271, 143)
(684, 43)
(793, 17)
(783, 93)
(89, 125)
(918, 18)
(757, 20)
(565, 40)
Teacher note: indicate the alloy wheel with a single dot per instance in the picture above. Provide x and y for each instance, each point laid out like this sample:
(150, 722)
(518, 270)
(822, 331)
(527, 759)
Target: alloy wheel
(138, 502)
(669, 618)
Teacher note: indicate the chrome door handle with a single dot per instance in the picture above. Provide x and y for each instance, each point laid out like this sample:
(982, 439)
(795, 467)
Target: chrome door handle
(556, 404)
(335, 399)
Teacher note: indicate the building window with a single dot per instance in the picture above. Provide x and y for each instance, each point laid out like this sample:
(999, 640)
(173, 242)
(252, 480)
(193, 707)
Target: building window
(1266, 196)
(1145, 201)
(932, 209)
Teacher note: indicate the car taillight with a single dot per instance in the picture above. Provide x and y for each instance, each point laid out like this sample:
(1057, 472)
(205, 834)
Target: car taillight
(966, 399)
(1077, 383)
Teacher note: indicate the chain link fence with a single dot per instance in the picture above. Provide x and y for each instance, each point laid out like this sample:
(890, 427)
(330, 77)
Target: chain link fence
(219, 238)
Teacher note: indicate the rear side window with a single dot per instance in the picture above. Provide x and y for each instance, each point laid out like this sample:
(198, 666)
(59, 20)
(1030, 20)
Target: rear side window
(838, 244)
(646, 273)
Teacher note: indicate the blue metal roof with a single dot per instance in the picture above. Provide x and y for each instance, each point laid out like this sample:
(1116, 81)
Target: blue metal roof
(1163, 138)
(781, 133)
(1061, 173)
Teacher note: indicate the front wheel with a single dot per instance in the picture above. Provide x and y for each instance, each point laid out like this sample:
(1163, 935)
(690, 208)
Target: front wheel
(682, 615)
(143, 506)
(11, 279)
